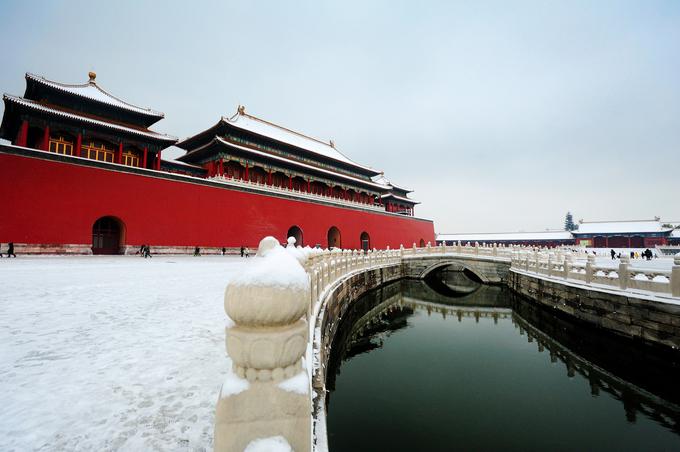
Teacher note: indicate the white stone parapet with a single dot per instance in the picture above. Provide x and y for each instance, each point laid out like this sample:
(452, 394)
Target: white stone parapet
(570, 267)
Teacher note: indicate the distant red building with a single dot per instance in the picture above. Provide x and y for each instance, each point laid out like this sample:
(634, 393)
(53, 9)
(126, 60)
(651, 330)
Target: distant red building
(84, 174)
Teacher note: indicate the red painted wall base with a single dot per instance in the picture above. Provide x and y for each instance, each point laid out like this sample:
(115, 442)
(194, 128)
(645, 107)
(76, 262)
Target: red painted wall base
(57, 202)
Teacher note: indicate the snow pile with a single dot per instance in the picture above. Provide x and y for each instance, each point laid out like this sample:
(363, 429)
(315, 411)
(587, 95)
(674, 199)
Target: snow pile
(273, 266)
(296, 252)
(233, 384)
(298, 384)
(271, 444)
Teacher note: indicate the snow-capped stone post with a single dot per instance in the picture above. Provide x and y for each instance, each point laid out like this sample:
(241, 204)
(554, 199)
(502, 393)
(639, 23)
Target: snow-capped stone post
(266, 393)
(675, 276)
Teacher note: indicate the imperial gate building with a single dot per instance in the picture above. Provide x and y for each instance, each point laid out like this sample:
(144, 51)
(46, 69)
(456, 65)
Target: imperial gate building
(87, 176)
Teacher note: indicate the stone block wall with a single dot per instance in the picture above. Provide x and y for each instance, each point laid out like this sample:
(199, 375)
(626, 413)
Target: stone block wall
(631, 316)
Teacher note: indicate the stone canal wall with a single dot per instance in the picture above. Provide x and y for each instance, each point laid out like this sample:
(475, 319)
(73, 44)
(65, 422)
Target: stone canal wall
(332, 306)
(631, 315)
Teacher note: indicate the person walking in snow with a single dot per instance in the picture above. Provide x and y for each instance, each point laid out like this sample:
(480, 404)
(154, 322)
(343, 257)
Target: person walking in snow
(224, 251)
(197, 251)
(613, 253)
(147, 251)
(247, 252)
(243, 250)
(10, 250)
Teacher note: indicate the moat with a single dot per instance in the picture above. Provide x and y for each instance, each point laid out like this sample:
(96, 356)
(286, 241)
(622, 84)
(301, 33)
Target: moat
(451, 364)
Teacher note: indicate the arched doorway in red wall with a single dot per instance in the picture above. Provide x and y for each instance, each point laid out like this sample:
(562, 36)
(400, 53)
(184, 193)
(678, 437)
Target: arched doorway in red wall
(296, 232)
(422, 243)
(365, 241)
(334, 238)
(108, 236)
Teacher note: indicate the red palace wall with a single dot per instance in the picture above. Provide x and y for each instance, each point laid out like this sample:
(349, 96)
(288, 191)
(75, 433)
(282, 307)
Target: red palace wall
(53, 202)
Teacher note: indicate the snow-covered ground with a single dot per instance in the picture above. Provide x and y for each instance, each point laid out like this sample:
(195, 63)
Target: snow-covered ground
(661, 263)
(104, 353)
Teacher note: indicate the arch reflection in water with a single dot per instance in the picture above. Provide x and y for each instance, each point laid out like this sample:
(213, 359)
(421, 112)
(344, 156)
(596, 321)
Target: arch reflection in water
(412, 368)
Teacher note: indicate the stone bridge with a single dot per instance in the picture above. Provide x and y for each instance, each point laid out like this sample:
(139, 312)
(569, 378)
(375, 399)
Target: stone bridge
(489, 269)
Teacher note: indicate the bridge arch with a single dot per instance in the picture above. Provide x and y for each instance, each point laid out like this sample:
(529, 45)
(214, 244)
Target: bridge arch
(462, 265)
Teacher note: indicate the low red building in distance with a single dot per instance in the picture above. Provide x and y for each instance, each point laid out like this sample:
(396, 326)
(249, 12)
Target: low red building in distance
(87, 177)
(590, 234)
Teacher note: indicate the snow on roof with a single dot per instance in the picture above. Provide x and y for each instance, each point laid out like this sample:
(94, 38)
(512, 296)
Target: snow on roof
(294, 162)
(506, 236)
(37, 106)
(267, 129)
(613, 227)
(92, 91)
(675, 233)
(400, 198)
(381, 179)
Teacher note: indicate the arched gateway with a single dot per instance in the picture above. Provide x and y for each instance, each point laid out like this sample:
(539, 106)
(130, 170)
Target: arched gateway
(296, 232)
(107, 236)
(334, 239)
(365, 241)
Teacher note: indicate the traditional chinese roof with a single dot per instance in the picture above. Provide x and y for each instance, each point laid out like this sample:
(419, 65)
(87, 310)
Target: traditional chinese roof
(53, 110)
(506, 236)
(399, 198)
(249, 123)
(92, 91)
(620, 227)
(381, 179)
(218, 141)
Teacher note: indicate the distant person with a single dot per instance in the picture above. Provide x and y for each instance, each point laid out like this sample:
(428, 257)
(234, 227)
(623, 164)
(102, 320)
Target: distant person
(147, 251)
(613, 253)
(243, 250)
(141, 250)
(648, 254)
(246, 251)
(632, 255)
(224, 251)
(197, 251)
(10, 250)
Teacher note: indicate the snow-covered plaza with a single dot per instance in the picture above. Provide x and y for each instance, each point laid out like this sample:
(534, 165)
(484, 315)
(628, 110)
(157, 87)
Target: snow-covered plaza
(104, 353)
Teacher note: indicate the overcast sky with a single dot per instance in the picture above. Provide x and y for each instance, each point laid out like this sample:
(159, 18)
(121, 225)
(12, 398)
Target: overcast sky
(500, 115)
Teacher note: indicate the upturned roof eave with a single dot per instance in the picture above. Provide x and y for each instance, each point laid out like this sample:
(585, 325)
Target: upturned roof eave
(221, 142)
(35, 106)
(64, 88)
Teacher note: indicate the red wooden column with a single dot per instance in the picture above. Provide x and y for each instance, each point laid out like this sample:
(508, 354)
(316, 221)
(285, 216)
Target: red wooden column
(22, 136)
(145, 156)
(309, 185)
(269, 178)
(247, 174)
(46, 139)
(290, 182)
(221, 167)
(79, 145)
(119, 154)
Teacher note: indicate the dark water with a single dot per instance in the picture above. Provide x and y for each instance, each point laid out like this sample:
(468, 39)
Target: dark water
(420, 366)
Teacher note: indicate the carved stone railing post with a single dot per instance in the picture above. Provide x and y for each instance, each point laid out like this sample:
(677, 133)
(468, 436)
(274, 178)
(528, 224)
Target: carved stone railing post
(526, 262)
(675, 276)
(566, 266)
(624, 274)
(551, 259)
(590, 262)
(266, 345)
